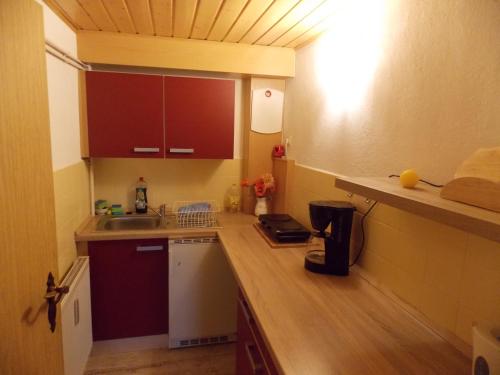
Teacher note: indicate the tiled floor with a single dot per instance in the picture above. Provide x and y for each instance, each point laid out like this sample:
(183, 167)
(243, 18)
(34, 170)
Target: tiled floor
(134, 357)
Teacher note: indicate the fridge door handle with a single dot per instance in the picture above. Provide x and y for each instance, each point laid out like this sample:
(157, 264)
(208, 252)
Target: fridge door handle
(149, 248)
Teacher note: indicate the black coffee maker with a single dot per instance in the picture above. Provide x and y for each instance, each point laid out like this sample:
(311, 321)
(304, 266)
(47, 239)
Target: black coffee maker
(334, 259)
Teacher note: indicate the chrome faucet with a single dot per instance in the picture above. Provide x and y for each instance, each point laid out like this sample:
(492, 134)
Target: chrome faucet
(161, 210)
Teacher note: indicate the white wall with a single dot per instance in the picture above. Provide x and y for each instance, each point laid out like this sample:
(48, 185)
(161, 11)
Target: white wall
(396, 85)
(401, 84)
(71, 175)
(63, 94)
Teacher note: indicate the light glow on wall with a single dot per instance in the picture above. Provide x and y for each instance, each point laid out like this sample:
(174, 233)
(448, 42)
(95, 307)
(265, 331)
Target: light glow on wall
(348, 54)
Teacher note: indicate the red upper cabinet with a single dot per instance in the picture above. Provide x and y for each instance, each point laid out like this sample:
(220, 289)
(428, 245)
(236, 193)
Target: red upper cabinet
(199, 118)
(125, 115)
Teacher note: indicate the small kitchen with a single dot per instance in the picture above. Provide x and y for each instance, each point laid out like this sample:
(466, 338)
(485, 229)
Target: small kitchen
(256, 187)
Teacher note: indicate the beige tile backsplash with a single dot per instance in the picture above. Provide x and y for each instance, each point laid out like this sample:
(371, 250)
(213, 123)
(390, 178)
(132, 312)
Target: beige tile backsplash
(169, 180)
(72, 206)
(451, 276)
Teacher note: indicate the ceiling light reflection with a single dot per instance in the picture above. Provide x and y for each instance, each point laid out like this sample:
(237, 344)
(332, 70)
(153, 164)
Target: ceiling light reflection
(348, 54)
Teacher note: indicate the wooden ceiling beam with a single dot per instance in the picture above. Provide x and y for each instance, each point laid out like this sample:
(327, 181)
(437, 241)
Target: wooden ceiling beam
(187, 54)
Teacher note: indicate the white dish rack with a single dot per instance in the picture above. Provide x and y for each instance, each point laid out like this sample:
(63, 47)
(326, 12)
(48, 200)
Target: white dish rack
(196, 214)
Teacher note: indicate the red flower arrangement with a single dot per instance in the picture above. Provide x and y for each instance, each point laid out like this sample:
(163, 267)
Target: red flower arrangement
(263, 186)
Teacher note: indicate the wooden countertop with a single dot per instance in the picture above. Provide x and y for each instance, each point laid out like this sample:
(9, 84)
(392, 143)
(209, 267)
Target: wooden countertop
(322, 324)
(316, 324)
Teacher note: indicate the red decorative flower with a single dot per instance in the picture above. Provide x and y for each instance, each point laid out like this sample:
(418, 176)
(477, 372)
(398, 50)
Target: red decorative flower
(263, 186)
(260, 188)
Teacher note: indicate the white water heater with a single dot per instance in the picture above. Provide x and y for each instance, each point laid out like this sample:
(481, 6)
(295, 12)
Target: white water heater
(486, 350)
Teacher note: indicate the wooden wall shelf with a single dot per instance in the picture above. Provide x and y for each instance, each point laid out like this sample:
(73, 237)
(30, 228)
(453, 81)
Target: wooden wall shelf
(425, 201)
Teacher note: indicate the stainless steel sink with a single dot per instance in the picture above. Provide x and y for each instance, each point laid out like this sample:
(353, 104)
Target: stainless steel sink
(131, 222)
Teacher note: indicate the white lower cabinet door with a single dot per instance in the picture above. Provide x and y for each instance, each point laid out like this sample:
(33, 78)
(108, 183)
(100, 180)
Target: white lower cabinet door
(202, 293)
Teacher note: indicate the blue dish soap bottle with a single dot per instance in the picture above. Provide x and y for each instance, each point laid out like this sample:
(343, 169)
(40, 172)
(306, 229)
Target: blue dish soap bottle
(141, 197)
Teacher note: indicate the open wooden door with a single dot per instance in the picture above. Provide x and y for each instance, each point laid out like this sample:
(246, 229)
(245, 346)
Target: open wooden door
(27, 219)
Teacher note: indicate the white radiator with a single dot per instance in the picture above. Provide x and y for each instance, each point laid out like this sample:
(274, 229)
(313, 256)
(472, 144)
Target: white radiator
(76, 318)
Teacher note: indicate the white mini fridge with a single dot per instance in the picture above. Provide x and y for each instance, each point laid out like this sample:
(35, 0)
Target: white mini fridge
(202, 293)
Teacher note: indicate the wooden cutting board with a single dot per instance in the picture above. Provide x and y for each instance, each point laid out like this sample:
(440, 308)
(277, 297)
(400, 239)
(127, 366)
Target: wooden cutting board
(477, 181)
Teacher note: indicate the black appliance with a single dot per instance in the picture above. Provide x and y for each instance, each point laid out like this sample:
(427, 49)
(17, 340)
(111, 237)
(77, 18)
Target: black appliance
(335, 258)
(283, 228)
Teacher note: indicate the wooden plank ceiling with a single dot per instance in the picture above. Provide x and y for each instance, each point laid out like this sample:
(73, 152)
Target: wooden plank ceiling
(281, 23)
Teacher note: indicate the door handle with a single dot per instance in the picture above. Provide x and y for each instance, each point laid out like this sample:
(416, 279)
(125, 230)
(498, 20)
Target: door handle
(246, 312)
(149, 248)
(147, 150)
(53, 296)
(257, 368)
(176, 150)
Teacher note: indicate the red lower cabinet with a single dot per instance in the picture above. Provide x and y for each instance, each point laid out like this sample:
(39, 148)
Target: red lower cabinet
(129, 288)
(252, 356)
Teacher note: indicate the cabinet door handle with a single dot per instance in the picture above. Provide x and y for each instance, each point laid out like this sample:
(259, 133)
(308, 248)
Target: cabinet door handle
(174, 150)
(146, 150)
(248, 316)
(149, 248)
(257, 368)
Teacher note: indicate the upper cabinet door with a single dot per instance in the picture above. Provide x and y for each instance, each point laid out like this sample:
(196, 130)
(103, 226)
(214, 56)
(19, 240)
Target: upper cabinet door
(125, 115)
(199, 118)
